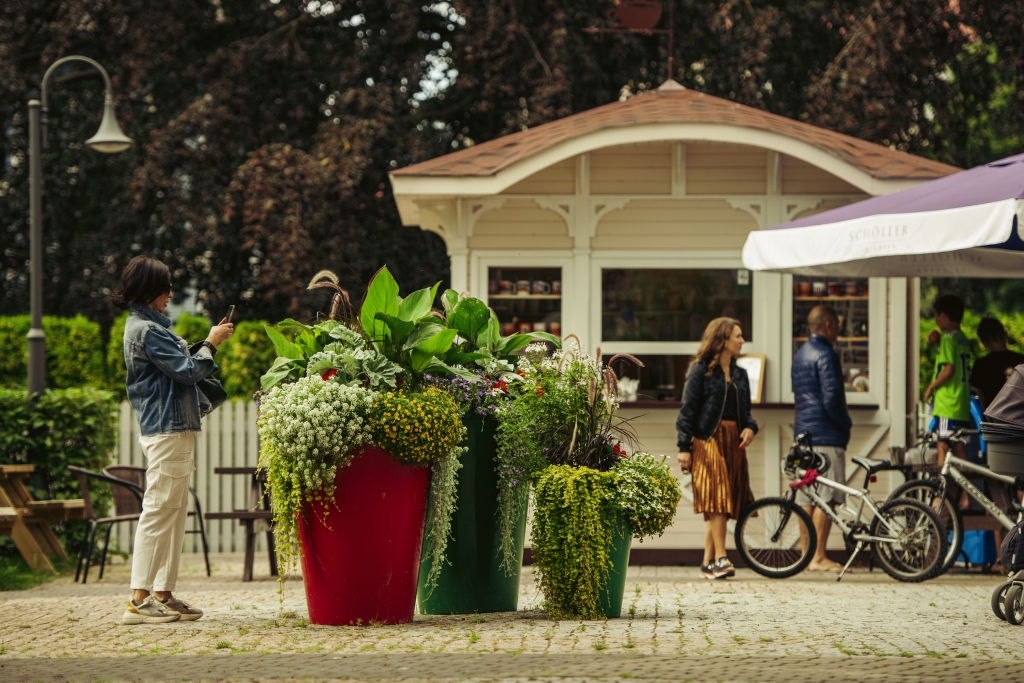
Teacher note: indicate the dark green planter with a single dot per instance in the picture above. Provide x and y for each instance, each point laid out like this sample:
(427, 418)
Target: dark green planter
(472, 580)
(611, 594)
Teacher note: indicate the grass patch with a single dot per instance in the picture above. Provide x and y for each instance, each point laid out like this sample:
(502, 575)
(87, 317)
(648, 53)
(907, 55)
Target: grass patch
(766, 639)
(223, 645)
(16, 575)
(906, 654)
(600, 646)
(473, 637)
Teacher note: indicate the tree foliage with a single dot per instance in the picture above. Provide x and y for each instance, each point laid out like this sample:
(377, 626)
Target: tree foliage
(265, 129)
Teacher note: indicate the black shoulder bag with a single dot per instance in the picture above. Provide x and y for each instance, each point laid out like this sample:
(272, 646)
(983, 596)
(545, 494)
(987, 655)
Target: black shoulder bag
(210, 386)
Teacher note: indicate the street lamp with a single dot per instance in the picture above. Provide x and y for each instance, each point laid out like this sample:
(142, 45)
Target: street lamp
(109, 139)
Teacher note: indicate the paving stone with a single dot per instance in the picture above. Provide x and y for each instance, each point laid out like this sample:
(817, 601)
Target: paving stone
(881, 628)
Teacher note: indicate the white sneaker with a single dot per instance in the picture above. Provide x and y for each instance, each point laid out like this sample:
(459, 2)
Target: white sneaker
(151, 611)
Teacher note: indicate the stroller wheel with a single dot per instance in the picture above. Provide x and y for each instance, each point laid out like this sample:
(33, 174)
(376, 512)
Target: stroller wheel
(999, 599)
(1014, 605)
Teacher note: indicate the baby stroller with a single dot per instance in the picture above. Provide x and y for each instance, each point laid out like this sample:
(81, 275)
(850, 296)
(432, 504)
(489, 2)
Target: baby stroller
(1004, 432)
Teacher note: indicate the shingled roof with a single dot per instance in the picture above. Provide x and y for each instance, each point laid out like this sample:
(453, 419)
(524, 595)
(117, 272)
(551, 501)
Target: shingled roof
(672, 103)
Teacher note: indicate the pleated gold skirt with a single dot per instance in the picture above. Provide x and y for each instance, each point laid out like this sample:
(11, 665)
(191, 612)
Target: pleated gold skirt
(721, 477)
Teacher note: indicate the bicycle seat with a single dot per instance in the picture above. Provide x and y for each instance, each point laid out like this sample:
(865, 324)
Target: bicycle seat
(872, 465)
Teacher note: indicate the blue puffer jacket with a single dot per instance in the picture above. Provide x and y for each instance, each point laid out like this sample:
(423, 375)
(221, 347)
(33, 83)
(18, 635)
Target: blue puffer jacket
(820, 396)
(162, 375)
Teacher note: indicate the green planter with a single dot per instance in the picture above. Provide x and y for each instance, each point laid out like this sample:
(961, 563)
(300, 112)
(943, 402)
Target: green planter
(611, 594)
(472, 580)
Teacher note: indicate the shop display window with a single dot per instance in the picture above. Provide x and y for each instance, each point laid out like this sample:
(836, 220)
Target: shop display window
(849, 297)
(672, 305)
(660, 379)
(526, 299)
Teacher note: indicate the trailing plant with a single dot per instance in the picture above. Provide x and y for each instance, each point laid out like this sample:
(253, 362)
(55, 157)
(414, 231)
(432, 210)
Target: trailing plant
(571, 538)
(562, 412)
(444, 489)
(646, 492)
(308, 429)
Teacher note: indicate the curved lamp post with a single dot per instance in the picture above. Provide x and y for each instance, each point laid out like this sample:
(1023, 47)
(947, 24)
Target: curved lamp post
(109, 139)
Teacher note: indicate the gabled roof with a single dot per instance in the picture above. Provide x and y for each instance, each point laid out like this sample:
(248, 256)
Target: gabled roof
(672, 103)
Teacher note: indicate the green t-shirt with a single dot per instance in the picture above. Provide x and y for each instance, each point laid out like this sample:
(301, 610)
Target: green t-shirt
(953, 399)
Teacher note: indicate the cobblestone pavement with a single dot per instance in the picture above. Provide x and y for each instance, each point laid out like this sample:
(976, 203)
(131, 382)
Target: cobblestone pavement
(868, 622)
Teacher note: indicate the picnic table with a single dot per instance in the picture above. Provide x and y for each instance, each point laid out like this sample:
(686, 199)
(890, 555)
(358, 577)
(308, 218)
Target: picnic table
(27, 521)
(256, 519)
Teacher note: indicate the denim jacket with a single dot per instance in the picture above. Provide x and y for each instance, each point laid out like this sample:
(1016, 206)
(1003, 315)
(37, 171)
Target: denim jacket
(162, 376)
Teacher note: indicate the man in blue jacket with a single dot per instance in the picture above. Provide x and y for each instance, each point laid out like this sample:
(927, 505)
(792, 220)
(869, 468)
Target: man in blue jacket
(821, 411)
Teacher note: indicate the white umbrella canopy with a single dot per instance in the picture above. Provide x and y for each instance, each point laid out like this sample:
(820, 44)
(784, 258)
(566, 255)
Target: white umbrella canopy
(963, 225)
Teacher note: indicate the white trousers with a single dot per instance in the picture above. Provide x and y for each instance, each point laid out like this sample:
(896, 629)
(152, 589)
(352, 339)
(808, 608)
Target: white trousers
(161, 531)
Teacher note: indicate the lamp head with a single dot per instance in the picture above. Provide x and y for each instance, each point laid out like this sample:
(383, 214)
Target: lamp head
(109, 138)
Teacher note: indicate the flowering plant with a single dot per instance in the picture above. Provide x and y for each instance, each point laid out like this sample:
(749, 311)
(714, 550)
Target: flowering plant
(309, 429)
(416, 428)
(560, 431)
(646, 492)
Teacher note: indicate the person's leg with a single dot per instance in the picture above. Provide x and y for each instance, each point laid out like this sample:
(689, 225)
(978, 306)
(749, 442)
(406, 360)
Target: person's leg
(823, 527)
(167, 575)
(709, 544)
(170, 465)
(942, 448)
(718, 524)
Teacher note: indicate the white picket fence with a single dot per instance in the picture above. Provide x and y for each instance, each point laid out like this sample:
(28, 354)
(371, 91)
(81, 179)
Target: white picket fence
(229, 439)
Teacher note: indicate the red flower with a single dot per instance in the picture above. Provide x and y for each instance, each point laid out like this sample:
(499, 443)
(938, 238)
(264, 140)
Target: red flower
(620, 451)
(500, 385)
(520, 373)
(329, 374)
(540, 392)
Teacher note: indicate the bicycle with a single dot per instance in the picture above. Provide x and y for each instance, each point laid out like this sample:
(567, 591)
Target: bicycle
(775, 536)
(934, 491)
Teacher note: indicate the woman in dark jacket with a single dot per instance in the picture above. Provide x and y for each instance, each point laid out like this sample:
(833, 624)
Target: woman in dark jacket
(715, 427)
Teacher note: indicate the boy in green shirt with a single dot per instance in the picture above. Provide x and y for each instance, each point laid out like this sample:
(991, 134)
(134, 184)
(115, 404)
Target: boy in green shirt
(951, 386)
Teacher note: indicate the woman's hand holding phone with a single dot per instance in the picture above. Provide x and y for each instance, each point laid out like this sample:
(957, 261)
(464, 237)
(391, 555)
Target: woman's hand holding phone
(221, 332)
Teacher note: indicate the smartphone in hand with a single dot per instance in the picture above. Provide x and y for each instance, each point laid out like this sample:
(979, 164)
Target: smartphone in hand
(230, 313)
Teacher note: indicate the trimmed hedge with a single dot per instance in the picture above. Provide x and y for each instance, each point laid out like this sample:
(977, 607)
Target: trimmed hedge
(60, 428)
(244, 358)
(73, 354)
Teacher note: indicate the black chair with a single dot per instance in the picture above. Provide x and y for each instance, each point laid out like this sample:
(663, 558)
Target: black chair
(137, 476)
(127, 508)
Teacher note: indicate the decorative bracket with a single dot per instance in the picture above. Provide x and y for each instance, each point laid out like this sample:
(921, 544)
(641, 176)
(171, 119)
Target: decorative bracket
(754, 207)
(473, 209)
(793, 208)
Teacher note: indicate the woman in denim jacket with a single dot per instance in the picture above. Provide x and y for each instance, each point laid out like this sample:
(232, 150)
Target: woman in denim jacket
(161, 384)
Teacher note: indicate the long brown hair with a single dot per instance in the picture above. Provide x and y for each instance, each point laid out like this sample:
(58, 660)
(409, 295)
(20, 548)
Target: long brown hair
(712, 343)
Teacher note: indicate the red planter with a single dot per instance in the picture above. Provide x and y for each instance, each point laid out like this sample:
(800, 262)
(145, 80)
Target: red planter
(362, 566)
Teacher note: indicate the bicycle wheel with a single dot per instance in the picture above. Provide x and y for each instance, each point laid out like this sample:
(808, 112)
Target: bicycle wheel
(916, 545)
(999, 599)
(768, 537)
(1014, 605)
(927, 491)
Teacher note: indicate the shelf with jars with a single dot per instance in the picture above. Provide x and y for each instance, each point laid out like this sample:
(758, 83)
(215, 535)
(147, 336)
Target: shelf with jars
(850, 300)
(526, 299)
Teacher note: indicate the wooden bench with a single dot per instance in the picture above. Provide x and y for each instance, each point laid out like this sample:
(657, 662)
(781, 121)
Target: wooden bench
(8, 516)
(30, 529)
(256, 519)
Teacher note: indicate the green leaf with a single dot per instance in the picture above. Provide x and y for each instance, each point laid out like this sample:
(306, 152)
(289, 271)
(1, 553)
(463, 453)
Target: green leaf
(544, 336)
(455, 357)
(283, 369)
(439, 366)
(381, 297)
(289, 324)
(307, 341)
(449, 300)
(438, 344)
(469, 317)
(418, 304)
(424, 331)
(420, 360)
(282, 346)
(399, 329)
(494, 327)
(512, 343)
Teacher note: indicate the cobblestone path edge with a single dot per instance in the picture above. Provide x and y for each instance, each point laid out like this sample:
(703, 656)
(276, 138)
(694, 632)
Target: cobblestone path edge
(458, 666)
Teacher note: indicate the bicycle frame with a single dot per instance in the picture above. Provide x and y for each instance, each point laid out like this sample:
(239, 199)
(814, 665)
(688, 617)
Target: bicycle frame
(865, 501)
(952, 470)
